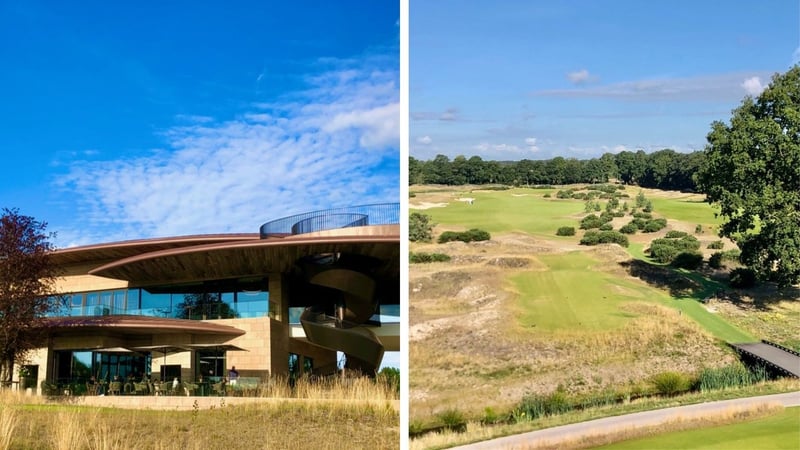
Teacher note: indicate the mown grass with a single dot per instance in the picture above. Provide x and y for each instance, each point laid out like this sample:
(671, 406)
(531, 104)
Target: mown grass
(523, 210)
(778, 431)
(689, 208)
(572, 294)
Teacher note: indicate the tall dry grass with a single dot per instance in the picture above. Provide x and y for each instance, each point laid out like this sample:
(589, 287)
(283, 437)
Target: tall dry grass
(326, 415)
(8, 422)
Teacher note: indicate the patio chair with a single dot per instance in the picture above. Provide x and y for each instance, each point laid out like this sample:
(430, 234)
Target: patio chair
(115, 388)
(218, 388)
(140, 388)
(189, 388)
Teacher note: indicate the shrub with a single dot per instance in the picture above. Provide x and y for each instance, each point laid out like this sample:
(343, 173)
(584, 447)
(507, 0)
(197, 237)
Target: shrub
(675, 234)
(604, 237)
(716, 245)
(489, 416)
(648, 207)
(564, 193)
(742, 277)
(688, 260)
(422, 257)
(419, 227)
(547, 195)
(630, 228)
(565, 231)
(698, 229)
(641, 200)
(670, 383)
(654, 225)
(715, 260)
(470, 235)
(642, 215)
(535, 406)
(453, 420)
(606, 227)
(591, 221)
(640, 223)
(590, 238)
(579, 195)
(662, 252)
(606, 216)
(665, 250)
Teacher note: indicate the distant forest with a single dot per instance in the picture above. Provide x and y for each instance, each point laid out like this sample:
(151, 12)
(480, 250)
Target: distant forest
(663, 169)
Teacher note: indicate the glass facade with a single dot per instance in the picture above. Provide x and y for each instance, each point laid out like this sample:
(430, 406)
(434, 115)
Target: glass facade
(219, 299)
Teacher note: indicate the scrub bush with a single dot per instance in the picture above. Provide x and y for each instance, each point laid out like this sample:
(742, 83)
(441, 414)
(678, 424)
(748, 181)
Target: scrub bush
(565, 231)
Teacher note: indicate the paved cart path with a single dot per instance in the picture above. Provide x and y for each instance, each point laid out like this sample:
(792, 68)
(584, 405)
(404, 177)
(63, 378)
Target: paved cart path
(566, 433)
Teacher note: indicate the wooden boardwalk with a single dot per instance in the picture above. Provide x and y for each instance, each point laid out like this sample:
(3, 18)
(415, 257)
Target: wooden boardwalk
(776, 356)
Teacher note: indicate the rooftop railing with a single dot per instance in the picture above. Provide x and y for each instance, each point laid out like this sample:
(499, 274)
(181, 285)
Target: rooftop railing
(329, 219)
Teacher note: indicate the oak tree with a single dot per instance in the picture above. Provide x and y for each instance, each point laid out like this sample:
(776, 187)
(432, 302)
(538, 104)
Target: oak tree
(752, 172)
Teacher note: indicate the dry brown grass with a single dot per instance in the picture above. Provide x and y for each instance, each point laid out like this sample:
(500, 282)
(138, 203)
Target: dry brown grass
(465, 336)
(352, 414)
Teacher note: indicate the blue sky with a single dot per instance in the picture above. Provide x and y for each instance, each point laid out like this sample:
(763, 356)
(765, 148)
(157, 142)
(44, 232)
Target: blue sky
(510, 80)
(127, 120)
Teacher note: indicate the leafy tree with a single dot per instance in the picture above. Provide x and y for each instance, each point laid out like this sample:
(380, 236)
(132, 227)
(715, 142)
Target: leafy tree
(420, 228)
(27, 287)
(205, 305)
(415, 175)
(751, 173)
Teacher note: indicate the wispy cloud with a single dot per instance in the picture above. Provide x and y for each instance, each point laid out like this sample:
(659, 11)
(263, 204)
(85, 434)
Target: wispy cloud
(335, 143)
(582, 76)
(719, 87)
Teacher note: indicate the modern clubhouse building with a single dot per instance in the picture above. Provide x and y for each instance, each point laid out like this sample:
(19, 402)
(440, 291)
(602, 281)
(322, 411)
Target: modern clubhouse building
(282, 302)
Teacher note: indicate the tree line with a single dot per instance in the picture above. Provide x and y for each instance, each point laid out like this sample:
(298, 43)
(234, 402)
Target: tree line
(664, 169)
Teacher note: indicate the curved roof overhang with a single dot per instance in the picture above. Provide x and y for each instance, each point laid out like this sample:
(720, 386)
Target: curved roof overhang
(126, 249)
(246, 257)
(137, 325)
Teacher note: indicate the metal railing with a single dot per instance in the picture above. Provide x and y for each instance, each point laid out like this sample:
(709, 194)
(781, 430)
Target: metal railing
(328, 219)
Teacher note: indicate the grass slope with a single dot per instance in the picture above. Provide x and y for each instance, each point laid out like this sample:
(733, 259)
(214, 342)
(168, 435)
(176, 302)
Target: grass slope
(571, 294)
(780, 431)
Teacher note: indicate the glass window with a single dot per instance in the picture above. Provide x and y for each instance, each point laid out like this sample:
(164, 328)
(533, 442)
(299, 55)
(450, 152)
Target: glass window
(159, 305)
(118, 302)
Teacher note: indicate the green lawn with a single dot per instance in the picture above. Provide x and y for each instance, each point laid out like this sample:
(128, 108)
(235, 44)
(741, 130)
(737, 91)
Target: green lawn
(687, 210)
(523, 210)
(780, 431)
(571, 295)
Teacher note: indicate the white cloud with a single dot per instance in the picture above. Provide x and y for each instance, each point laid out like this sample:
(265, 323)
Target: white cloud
(531, 143)
(449, 115)
(424, 140)
(753, 86)
(580, 77)
(334, 144)
(717, 87)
